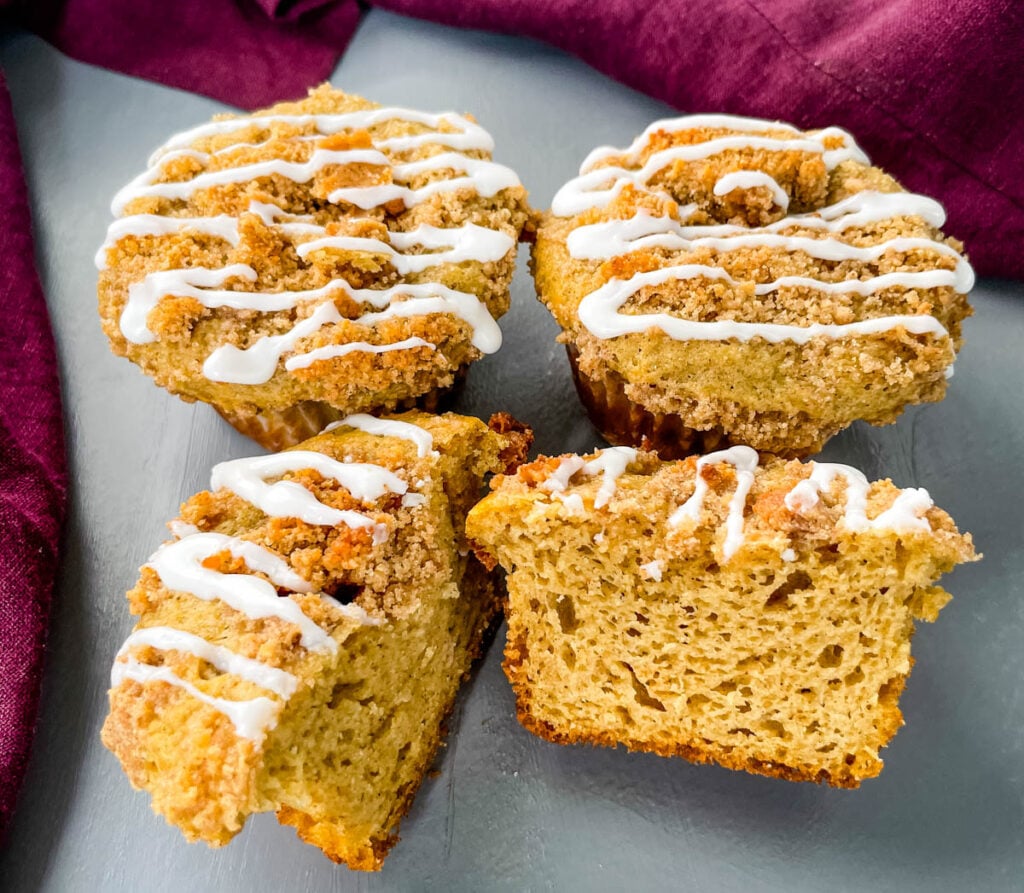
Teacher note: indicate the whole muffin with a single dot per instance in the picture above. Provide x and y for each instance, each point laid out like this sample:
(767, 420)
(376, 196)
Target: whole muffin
(731, 280)
(312, 260)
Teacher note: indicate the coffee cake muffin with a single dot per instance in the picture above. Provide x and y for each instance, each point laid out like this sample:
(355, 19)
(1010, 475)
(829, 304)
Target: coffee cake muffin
(303, 635)
(755, 616)
(731, 280)
(312, 260)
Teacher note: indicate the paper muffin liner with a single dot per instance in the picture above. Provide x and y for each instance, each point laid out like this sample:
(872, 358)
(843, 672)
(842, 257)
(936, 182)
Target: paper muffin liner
(623, 422)
(278, 429)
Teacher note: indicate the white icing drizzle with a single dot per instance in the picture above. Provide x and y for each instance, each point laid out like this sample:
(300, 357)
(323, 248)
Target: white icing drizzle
(596, 186)
(610, 463)
(297, 171)
(558, 480)
(423, 439)
(601, 241)
(252, 718)
(437, 299)
(745, 461)
(192, 282)
(599, 311)
(468, 242)
(581, 193)
(179, 566)
(286, 499)
(709, 122)
(222, 226)
(270, 214)
(859, 209)
(258, 362)
(167, 638)
(180, 529)
(573, 503)
(752, 180)
(468, 136)
(195, 282)
(334, 351)
(486, 178)
(903, 515)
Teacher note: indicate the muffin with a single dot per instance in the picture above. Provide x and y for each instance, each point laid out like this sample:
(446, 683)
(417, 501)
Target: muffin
(754, 616)
(316, 259)
(302, 637)
(729, 280)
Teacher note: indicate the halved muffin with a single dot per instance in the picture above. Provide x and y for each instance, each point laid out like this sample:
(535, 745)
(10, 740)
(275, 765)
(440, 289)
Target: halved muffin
(755, 616)
(312, 260)
(731, 280)
(303, 636)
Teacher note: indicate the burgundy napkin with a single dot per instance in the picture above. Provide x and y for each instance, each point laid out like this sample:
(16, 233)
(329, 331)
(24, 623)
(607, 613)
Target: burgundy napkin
(33, 479)
(247, 53)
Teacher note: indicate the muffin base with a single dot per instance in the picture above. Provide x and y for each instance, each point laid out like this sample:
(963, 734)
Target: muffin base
(278, 429)
(623, 422)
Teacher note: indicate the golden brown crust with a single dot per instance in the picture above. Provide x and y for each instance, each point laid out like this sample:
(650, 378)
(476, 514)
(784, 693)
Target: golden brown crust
(782, 397)
(187, 332)
(519, 436)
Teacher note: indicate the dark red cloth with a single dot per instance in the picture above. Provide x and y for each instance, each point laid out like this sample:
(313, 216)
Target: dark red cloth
(33, 480)
(247, 53)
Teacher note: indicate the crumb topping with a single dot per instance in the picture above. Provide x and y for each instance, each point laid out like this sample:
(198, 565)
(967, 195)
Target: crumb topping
(371, 246)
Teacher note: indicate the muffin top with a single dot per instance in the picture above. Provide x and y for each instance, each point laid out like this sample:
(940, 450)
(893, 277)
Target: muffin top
(714, 227)
(723, 505)
(329, 249)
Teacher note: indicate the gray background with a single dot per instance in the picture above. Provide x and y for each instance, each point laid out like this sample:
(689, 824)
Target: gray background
(508, 811)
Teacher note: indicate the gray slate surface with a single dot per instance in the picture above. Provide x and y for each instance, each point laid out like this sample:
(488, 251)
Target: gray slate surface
(508, 810)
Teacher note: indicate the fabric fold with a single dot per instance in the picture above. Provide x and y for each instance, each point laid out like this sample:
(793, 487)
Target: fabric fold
(248, 53)
(33, 476)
